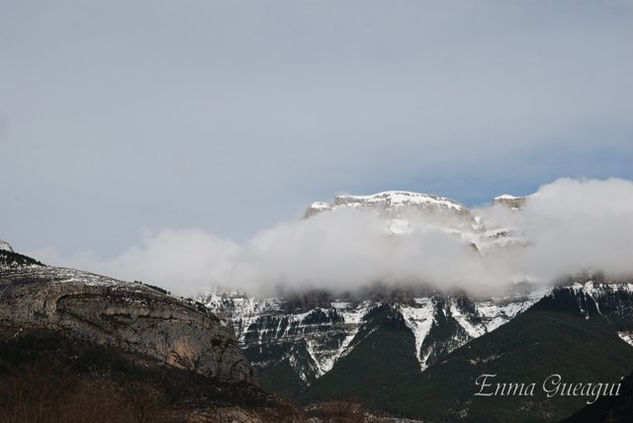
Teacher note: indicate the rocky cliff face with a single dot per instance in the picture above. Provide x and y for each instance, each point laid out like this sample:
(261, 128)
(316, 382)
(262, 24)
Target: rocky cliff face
(304, 340)
(510, 201)
(399, 205)
(135, 317)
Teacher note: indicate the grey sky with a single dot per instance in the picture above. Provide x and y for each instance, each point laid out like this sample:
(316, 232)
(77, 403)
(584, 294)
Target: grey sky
(230, 116)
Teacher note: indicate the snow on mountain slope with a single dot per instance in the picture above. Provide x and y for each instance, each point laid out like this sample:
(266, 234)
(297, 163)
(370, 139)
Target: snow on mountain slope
(312, 340)
(626, 337)
(401, 204)
(327, 333)
(5, 246)
(496, 313)
(352, 317)
(395, 199)
(478, 318)
(239, 309)
(419, 319)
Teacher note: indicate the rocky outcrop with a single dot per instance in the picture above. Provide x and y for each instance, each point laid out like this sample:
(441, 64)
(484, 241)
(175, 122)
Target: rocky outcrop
(5, 246)
(316, 208)
(510, 201)
(132, 316)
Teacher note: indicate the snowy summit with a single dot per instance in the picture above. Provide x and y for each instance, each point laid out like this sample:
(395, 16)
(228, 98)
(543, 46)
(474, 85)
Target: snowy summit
(392, 202)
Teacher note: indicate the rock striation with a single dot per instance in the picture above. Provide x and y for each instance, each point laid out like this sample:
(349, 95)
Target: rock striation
(135, 317)
(510, 201)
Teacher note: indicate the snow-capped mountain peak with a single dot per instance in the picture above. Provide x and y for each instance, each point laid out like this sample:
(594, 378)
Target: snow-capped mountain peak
(398, 199)
(392, 202)
(405, 212)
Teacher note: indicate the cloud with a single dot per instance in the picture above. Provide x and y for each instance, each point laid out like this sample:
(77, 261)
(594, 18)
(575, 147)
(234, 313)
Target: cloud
(579, 224)
(172, 115)
(568, 226)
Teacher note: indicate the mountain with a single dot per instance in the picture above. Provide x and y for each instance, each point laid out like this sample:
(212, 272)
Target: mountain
(549, 338)
(76, 346)
(405, 212)
(385, 349)
(416, 352)
(107, 311)
(294, 341)
(418, 356)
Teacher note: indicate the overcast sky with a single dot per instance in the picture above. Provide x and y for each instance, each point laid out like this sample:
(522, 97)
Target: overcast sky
(119, 118)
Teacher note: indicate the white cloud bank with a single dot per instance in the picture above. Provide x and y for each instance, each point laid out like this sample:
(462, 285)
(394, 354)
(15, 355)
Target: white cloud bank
(568, 226)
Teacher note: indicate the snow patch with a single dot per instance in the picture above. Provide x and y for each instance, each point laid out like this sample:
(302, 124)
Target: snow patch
(353, 318)
(626, 337)
(419, 319)
(473, 330)
(5, 246)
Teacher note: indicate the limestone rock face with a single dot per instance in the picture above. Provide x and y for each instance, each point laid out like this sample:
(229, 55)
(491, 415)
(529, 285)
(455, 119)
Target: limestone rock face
(402, 209)
(393, 204)
(132, 316)
(510, 201)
